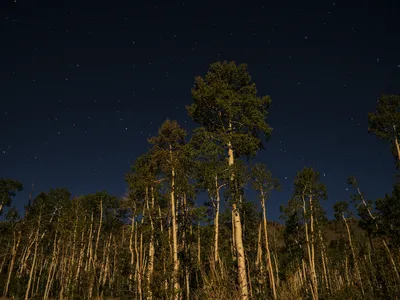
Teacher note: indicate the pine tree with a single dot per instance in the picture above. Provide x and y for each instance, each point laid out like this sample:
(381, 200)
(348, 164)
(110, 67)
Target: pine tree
(227, 106)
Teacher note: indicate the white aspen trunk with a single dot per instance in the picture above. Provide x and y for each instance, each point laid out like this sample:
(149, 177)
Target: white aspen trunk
(216, 222)
(80, 261)
(312, 234)
(198, 246)
(269, 261)
(150, 267)
(396, 142)
(276, 268)
(233, 242)
(89, 247)
(187, 283)
(34, 261)
(308, 244)
(259, 249)
(242, 272)
(383, 239)
(174, 232)
(324, 262)
(346, 270)
(132, 262)
(52, 269)
(42, 263)
(98, 233)
(353, 253)
(72, 263)
(13, 257)
(138, 275)
(5, 258)
(26, 254)
(164, 267)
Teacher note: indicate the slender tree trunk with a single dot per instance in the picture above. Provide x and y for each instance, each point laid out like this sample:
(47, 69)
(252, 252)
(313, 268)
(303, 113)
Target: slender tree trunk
(259, 250)
(353, 253)
(396, 142)
(52, 269)
(174, 232)
(312, 234)
(131, 250)
(80, 262)
(33, 267)
(26, 254)
(233, 241)
(324, 259)
(269, 261)
(383, 239)
(242, 272)
(150, 267)
(13, 257)
(309, 252)
(216, 222)
(198, 245)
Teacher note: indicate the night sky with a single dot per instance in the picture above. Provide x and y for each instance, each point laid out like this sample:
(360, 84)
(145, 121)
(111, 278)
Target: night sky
(83, 84)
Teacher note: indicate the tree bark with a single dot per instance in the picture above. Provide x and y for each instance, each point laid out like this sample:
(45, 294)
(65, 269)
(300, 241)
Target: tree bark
(242, 272)
(34, 260)
(13, 257)
(216, 222)
(269, 261)
(174, 232)
(353, 253)
(150, 267)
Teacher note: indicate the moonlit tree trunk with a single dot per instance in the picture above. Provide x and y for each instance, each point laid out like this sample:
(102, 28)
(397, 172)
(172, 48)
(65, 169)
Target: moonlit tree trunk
(269, 261)
(389, 253)
(33, 267)
(174, 233)
(150, 267)
(13, 257)
(238, 237)
(313, 284)
(353, 253)
(216, 222)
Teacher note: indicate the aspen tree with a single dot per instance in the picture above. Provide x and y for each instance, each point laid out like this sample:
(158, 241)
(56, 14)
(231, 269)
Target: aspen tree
(264, 183)
(385, 121)
(168, 145)
(227, 106)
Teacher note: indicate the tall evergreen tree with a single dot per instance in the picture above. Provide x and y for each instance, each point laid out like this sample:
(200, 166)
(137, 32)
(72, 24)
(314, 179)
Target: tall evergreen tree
(227, 106)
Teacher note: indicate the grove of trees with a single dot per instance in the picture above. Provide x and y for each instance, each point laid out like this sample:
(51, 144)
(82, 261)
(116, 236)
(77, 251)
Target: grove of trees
(157, 242)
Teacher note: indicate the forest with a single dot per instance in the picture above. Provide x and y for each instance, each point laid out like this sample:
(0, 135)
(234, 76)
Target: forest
(158, 242)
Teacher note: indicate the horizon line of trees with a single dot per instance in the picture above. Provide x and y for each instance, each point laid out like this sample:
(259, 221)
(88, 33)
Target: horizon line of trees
(155, 243)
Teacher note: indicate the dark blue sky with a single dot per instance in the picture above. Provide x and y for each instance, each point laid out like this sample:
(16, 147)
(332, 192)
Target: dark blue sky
(85, 83)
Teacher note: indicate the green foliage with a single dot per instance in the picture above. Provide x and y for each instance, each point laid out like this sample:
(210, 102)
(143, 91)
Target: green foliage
(209, 162)
(8, 189)
(341, 210)
(226, 105)
(234, 193)
(384, 121)
(364, 208)
(263, 181)
(388, 208)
